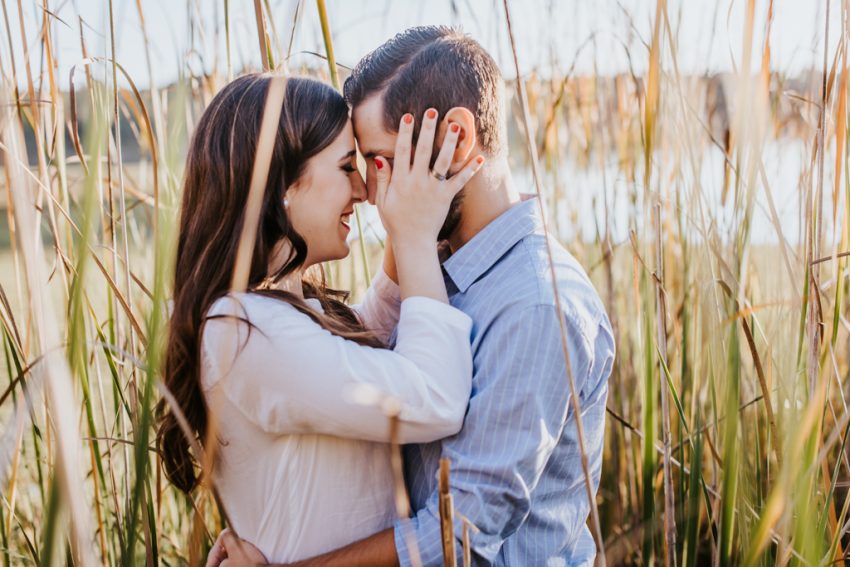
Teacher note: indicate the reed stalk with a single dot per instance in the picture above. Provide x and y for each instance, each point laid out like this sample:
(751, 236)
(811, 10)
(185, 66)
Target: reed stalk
(332, 69)
(727, 411)
(576, 405)
(447, 516)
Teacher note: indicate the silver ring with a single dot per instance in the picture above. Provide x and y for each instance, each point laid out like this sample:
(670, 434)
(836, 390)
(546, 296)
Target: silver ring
(438, 176)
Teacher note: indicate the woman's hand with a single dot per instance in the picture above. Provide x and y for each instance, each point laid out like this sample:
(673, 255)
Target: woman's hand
(413, 200)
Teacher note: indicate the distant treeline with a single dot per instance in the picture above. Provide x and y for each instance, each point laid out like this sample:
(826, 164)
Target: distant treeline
(794, 99)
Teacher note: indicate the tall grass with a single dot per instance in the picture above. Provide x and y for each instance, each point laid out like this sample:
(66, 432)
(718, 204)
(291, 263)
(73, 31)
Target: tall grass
(726, 437)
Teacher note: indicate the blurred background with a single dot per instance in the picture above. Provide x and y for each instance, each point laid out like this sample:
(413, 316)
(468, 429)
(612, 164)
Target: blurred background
(693, 157)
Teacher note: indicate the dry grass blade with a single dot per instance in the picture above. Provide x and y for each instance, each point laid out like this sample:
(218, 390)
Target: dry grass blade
(332, 69)
(259, 176)
(651, 110)
(711, 209)
(323, 18)
(262, 36)
(402, 500)
(840, 137)
(55, 375)
(447, 516)
(241, 270)
(574, 395)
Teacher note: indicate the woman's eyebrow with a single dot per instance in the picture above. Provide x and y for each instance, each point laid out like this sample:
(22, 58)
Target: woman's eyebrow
(348, 156)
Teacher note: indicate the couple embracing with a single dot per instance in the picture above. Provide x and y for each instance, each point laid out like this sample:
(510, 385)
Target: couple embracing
(465, 336)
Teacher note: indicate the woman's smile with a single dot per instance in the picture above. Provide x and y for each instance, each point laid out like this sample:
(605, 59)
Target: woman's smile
(345, 220)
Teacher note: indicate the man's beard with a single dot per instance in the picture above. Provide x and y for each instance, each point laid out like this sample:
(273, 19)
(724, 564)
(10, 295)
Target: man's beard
(452, 218)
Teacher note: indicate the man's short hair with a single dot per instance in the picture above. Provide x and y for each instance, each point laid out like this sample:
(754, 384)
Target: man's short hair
(433, 66)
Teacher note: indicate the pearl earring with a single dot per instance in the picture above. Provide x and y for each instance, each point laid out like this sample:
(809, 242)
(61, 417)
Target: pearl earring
(285, 203)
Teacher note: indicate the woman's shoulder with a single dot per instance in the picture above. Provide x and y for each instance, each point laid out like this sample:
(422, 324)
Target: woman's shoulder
(255, 307)
(239, 321)
(241, 303)
(241, 328)
(250, 314)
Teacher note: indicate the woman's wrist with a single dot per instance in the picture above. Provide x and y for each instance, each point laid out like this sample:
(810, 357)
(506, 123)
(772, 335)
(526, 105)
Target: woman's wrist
(419, 271)
(389, 260)
(404, 242)
(413, 253)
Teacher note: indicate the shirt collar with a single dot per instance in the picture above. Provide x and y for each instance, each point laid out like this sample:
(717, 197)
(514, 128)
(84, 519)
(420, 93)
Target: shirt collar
(482, 252)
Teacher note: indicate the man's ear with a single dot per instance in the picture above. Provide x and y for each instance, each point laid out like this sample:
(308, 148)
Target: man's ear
(466, 142)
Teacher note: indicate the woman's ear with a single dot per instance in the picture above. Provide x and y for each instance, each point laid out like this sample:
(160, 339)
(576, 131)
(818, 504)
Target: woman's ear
(466, 142)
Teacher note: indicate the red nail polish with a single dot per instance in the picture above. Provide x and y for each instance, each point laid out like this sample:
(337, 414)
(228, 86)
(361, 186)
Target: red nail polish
(431, 114)
(408, 118)
(379, 164)
(454, 128)
(480, 160)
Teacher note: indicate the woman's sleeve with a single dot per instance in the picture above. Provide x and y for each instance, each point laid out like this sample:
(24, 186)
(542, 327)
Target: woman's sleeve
(381, 306)
(289, 375)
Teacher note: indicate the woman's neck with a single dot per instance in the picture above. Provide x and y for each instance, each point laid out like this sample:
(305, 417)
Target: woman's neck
(291, 283)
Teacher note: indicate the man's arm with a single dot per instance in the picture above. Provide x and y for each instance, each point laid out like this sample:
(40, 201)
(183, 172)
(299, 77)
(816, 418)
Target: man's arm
(375, 551)
(515, 420)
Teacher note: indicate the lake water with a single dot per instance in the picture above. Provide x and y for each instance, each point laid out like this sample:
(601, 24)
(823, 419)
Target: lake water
(590, 195)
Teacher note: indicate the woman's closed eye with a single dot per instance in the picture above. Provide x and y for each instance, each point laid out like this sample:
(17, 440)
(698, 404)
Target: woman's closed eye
(348, 163)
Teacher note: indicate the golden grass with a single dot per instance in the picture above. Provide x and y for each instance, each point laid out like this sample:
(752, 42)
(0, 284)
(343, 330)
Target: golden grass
(728, 414)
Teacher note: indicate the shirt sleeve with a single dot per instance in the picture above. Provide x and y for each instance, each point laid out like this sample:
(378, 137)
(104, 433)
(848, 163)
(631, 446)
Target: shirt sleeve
(289, 375)
(381, 306)
(515, 420)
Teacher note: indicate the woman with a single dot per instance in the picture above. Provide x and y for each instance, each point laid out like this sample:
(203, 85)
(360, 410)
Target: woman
(302, 468)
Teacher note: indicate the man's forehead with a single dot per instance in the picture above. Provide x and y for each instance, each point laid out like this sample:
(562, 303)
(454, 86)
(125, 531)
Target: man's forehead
(368, 120)
(370, 108)
(372, 151)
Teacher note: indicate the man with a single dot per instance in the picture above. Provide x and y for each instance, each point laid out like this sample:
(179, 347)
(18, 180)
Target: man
(515, 467)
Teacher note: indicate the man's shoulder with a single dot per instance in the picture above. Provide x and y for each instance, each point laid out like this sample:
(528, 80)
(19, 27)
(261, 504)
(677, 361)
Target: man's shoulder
(523, 280)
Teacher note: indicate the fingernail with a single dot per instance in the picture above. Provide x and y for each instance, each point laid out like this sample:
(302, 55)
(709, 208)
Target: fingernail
(379, 163)
(408, 118)
(454, 128)
(480, 160)
(432, 114)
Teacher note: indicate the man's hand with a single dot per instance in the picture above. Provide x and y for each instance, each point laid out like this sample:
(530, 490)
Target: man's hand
(375, 551)
(230, 551)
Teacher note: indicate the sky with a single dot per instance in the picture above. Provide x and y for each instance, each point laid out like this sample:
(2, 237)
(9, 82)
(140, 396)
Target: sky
(553, 36)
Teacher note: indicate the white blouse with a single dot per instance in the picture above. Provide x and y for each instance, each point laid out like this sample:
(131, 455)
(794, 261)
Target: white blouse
(304, 463)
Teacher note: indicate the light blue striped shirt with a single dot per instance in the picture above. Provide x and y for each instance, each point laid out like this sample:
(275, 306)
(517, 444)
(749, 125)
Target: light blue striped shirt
(515, 466)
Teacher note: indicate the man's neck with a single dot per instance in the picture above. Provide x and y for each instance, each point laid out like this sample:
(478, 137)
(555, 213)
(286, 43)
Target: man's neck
(486, 197)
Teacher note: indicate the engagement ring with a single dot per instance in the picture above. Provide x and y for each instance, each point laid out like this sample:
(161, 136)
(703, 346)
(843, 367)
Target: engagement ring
(438, 176)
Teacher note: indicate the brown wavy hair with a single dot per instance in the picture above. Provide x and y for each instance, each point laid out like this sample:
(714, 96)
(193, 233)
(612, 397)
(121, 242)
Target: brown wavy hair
(215, 192)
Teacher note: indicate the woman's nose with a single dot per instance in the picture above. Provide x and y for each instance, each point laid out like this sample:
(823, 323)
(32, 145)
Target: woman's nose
(358, 188)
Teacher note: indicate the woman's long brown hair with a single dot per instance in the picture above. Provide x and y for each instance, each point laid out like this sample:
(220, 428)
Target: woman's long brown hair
(215, 192)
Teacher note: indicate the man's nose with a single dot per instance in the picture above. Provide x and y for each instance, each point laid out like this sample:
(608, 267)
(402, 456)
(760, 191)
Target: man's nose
(371, 184)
